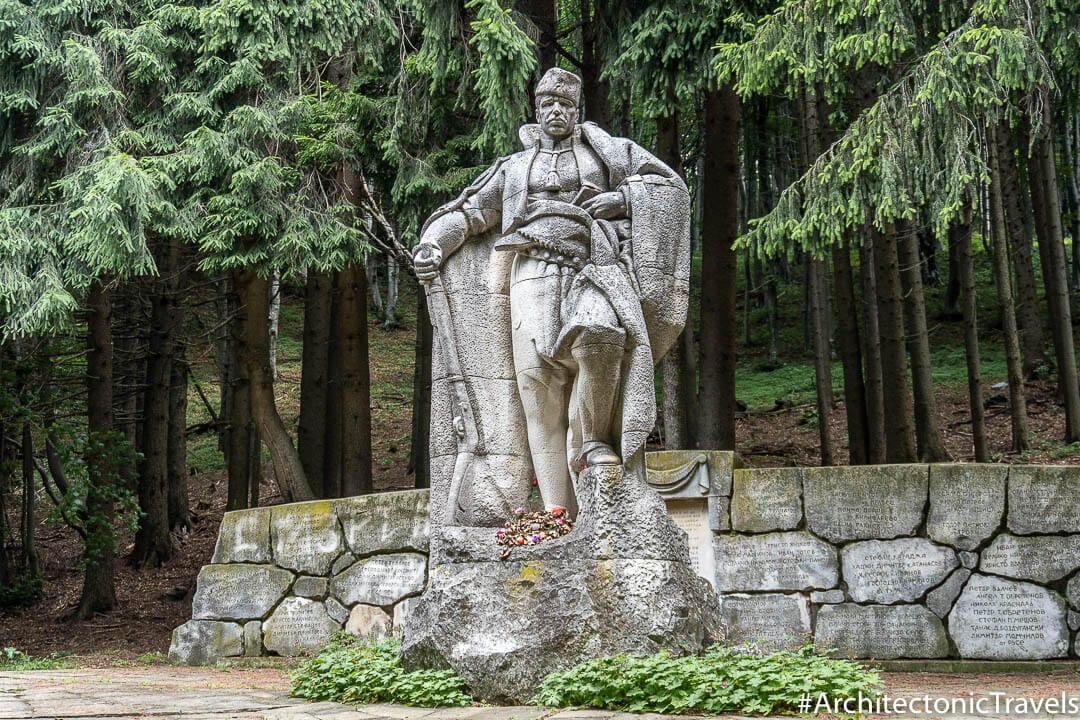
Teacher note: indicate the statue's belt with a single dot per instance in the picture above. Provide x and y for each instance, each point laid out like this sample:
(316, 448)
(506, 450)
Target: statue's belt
(554, 231)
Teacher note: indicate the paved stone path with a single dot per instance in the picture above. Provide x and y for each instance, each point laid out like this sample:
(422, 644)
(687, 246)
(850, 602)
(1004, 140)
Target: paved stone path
(208, 694)
(190, 693)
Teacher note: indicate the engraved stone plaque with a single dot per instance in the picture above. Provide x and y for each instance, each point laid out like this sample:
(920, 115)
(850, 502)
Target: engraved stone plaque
(385, 522)
(775, 561)
(889, 571)
(238, 592)
(693, 517)
(1044, 499)
(298, 625)
(884, 632)
(865, 502)
(770, 622)
(307, 536)
(244, 537)
(966, 503)
(381, 580)
(767, 499)
(1000, 619)
(1044, 558)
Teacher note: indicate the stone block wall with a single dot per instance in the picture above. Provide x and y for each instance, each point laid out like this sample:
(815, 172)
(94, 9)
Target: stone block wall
(283, 579)
(905, 561)
(900, 561)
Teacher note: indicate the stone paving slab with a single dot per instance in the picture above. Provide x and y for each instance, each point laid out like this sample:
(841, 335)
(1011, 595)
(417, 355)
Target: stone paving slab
(188, 693)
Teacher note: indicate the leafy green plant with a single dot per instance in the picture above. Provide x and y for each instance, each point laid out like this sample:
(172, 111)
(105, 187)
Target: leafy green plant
(354, 671)
(722, 680)
(15, 659)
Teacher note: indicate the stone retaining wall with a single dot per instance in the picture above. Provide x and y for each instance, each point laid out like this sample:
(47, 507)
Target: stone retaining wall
(905, 561)
(283, 579)
(900, 561)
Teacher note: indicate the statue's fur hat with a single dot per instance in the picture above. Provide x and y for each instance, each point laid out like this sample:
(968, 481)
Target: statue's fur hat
(560, 83)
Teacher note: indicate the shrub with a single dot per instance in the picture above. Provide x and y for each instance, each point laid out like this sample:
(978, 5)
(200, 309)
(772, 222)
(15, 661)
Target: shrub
(15, 659)
(722, 680)
(354, 671)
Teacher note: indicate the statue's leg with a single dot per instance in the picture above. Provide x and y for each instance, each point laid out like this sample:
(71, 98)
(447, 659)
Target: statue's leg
(544, 384)
(598, 350)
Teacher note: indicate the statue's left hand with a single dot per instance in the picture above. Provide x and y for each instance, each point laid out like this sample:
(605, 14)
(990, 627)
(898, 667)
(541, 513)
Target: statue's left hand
(606, 206)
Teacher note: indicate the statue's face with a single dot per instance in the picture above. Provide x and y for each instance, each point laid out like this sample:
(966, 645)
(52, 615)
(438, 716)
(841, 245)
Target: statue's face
(556, 115)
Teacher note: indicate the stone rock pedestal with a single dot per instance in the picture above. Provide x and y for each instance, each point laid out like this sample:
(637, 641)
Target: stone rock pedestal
(620, 582)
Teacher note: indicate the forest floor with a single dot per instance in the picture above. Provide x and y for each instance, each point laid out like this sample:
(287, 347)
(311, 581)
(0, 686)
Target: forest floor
(779, 428)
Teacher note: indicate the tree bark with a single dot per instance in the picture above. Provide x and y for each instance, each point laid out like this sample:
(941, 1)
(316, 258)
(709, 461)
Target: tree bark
(822, 369)
(420, 452)
(352, 333)
(1005, 301)
(673, 364)
(850, 355)
(242, 442)
(1029, 316)
(289, 473)
(960, 238)
(332, 477)
(928, 438)
(179, 510)
(875, 398)
(1047, 209)
(311, 433)
(99, 585)
(153, 542)
(716, 430)
(595, 90)
(31, 566)
(898, 412)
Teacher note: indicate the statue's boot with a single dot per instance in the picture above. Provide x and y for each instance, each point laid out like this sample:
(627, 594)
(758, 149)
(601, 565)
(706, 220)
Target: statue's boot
(599, 353)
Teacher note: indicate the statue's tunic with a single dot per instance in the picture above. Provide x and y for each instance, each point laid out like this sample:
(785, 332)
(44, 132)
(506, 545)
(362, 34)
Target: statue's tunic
(627, 289)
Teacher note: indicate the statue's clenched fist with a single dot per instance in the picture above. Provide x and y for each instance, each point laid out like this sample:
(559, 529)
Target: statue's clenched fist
(427, 258)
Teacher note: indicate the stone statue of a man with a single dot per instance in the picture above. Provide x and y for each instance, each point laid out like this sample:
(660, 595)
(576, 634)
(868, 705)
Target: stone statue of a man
(588, 235)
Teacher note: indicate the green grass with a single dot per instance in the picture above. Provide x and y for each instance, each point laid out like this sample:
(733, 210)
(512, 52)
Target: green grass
(15, 659)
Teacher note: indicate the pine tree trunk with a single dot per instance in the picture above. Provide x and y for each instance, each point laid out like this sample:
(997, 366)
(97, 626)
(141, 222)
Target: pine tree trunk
(311, 434)
(1005, 302)
(897, 407)
(99, 585)
(273, 314)
(928, 438)
(951, 309)
(850, 355)
(31, 566)
(960, 238)
(332, 452)
(1029, 315)
(372, 265)
(822, 369)
(352, 333)
(875, 398)
(1047, 209)
(242, 447)
(420, 451)
(288, 471)
(153, 543)
(1072, 161)
(595, 89)
(179, 509)
(673, 364)
(542, 14)
(390, 319)
(716, 430)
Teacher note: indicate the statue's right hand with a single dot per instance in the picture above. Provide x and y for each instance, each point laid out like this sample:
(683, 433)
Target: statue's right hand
(427, 258)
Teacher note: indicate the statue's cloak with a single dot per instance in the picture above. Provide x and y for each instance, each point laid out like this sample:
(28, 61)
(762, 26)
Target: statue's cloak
(648, 288)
